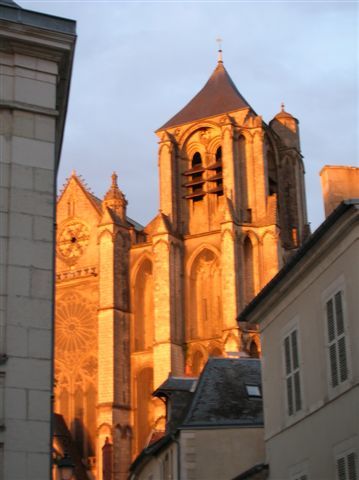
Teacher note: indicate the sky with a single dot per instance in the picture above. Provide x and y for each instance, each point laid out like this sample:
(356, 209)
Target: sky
(138, 63)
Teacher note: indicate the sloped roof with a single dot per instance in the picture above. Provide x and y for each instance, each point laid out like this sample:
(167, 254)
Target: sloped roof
(219, 95)
(9, 3)
(221, 397)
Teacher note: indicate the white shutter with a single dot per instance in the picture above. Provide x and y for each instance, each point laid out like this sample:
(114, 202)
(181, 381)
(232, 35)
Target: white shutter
(346, 467)
(291, 361)
(351, 464)
(337, 350)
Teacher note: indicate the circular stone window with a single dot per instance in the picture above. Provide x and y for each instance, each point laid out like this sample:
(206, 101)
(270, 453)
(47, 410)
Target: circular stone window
(72, 241)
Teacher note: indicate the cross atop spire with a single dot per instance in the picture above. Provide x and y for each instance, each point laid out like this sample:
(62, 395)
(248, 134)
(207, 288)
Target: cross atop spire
(220, 56)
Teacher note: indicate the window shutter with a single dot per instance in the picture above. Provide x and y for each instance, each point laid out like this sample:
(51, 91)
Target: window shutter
(290, 395)
(295, 349)
(288, 367)
(333, 364)
(298, 402)
(291, 359)
(339, 313)
(352, 474)
(341, 469)
(337, 348)
(330, 319)
(342, 359)
(346, 467)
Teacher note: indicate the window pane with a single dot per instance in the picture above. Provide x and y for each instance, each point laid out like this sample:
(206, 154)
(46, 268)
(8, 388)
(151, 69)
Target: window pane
(339, 313)
(333, 364)
(330, 319)
(342, 359)
(288, 366)
(253, 391)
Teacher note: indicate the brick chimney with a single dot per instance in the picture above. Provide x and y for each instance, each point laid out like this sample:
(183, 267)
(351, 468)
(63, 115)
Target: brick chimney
(339, 182)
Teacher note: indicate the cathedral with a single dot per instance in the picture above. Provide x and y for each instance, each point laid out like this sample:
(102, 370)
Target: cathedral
(135, 303)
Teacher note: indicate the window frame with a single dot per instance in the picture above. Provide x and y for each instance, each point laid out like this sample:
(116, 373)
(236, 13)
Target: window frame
(344, 456)
(292, 326)
(329, 294)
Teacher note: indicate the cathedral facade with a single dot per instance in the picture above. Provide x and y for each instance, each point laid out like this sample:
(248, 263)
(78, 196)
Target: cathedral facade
(134, 303)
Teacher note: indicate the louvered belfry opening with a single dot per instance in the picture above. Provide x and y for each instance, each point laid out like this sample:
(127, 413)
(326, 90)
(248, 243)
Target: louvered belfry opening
(196, 181)
(216, 176)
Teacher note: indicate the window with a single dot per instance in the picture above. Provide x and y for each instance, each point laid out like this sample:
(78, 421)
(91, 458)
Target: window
(292, 374)
(337, 351)
(253, 391)
(346, 467)
(195, 180)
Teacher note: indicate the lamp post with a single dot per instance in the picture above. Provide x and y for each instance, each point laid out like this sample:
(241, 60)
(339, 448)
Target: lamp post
(66, 467)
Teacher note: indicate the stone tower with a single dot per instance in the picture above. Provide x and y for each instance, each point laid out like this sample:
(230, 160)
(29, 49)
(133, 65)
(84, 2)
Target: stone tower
(136, 303)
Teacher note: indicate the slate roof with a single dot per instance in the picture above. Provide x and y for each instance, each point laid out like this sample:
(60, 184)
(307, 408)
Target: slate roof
(179, 392)
(220, 400)
(219, 95)
(221, 397)
(9, 3)
(175, 384)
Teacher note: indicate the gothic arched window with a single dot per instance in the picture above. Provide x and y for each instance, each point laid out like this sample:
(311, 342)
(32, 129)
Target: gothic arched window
(143, 306)
(248, 270)
(205, 301)
(198, 362)
(216, 177)
(195, 180)
(145, 413)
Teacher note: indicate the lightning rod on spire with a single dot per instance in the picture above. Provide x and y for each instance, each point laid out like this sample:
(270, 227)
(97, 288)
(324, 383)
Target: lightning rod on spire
(220, 57)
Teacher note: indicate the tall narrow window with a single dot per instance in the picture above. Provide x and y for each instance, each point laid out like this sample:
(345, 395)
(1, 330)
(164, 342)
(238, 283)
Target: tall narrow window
(195, 176)
(336, 340)
(347, 467)
(291, 359)
(216, 178)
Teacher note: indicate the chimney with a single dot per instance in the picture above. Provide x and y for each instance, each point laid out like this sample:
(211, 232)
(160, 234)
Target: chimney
(339, 182)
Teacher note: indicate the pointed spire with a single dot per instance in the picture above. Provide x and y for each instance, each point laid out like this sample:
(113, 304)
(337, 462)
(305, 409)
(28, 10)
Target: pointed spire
(282, 106)
(115, 199)
(218, 96)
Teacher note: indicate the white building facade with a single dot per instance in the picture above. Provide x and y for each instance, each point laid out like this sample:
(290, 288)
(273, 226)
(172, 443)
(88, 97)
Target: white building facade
(36, 53)
(308, 316)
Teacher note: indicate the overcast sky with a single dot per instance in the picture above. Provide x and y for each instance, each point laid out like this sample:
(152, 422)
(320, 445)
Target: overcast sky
(139, 63)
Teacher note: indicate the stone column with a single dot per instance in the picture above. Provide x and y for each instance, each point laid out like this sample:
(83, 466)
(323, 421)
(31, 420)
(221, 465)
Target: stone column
(168, 178)
(167, 355)
(229, 265)
(259, 209)
(113, 409)
(229, 170)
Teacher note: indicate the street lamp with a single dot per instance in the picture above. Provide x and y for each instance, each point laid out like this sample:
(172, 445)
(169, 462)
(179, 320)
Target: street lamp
(66, 467)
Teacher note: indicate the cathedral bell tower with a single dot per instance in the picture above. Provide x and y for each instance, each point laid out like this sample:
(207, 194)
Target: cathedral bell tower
(232, 189)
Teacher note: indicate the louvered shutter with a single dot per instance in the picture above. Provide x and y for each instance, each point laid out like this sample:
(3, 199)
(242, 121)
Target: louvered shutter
(351, 464)
(341, 470)
(291, 359)
(337, 349)
(346, 467)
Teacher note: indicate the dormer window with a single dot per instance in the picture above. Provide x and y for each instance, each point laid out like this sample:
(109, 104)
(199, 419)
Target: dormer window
(216, 177)
(195, 184)
(253, 391)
